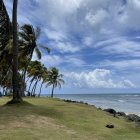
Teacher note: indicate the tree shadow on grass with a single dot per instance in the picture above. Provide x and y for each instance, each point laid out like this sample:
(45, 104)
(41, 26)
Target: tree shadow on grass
(20, 111)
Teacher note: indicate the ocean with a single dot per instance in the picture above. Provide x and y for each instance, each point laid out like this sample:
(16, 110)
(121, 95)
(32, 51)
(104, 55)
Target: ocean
(128, 103)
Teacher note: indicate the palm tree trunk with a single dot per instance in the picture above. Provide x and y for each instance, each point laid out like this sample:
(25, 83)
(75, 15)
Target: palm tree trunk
(52, 91)
(25, 70)
(16, 94)
(27, 79)
(40, 89)
(30, 86)
(32, 92)
(23, 85)
(3, 91)
(35, 88)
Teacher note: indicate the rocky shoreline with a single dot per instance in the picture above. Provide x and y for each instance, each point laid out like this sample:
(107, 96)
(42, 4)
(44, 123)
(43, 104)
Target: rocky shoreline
(130, 117)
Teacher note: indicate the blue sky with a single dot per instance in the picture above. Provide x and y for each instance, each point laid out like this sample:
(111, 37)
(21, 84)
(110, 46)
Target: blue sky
(94, 43)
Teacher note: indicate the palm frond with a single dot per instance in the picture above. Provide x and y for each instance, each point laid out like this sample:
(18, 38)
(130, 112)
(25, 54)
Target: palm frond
(61, 81)
(45, 48)
(38, 53)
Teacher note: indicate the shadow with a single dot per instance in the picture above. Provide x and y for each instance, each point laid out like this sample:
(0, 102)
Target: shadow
(22, 103)
(20, 111)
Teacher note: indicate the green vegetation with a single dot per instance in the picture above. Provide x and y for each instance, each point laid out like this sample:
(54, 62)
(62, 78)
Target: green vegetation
(54, 79)
(16, 52)
(53, 119)
(44, 118)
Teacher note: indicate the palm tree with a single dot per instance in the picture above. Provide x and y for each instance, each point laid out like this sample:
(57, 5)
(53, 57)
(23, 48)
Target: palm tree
(28, 44)
(15, 80)
(54, 79)
(5, 27)
(5, 35)
(44, 75)
(35, 72)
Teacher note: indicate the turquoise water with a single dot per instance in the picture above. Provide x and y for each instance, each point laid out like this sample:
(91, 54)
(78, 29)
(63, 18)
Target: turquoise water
(128, 103)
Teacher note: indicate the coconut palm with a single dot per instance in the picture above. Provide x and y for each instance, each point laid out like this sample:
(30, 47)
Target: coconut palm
(44, 75)
(5, 27)
(16, 94)
(28, 44)
(5, 35)
(35, 72)
(54, 79)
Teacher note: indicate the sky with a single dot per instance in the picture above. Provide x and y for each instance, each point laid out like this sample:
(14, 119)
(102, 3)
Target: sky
(94, 43)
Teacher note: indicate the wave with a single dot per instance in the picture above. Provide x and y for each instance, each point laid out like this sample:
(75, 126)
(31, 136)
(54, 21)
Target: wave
(136, 95)
(122, 101)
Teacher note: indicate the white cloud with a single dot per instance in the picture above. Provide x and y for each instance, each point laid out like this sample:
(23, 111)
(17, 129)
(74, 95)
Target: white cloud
(51, 60)
(121, 64)
(55, 35)
(102, 25)
(57, 60)
(88, 41)
(65, 47)
(97, 18)
(120, 46)
(98, 78)
(73, 61)
(129, 19)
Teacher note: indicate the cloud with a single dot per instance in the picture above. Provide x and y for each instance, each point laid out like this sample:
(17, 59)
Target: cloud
(95, 33)
(57, 61)
(122, 64)
(98, 18)
(98, 78)
(65, 47)
(52, 60)
(120, 46)
(55, 35)
(129, 17)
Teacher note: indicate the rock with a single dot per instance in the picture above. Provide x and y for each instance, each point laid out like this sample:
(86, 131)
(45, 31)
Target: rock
(121, 114)
(71, 101)
(99, 108)
(111, 111)
(110, 125)
(133, 117)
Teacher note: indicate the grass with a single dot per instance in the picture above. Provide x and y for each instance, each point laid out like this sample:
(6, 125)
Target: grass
(53, 119)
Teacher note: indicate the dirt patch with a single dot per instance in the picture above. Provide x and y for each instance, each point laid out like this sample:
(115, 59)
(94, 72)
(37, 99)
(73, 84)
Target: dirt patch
(39, 122)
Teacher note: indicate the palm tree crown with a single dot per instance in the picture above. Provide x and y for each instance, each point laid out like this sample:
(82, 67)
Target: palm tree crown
(54, 79)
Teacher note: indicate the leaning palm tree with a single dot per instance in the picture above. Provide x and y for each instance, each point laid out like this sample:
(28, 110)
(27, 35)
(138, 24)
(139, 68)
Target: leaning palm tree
(35, 73)
(54, 79)
(44, 75)
(28, 44)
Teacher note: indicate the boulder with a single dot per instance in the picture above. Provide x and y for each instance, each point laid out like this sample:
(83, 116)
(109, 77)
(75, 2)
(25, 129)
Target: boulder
(110, 125)
(111, 111)
(121, 114)
(133, 117)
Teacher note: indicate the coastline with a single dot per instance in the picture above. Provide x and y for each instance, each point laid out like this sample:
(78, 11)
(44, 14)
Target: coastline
(128, 103)
(103, 109)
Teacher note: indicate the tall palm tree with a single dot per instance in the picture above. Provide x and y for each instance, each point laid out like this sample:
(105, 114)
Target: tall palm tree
(6, 53)
(15, 80)
(28, 44)
(5, 26)
(54, 79)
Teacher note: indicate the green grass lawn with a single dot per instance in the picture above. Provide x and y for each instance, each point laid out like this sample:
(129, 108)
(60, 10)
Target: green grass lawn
(52, 119)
